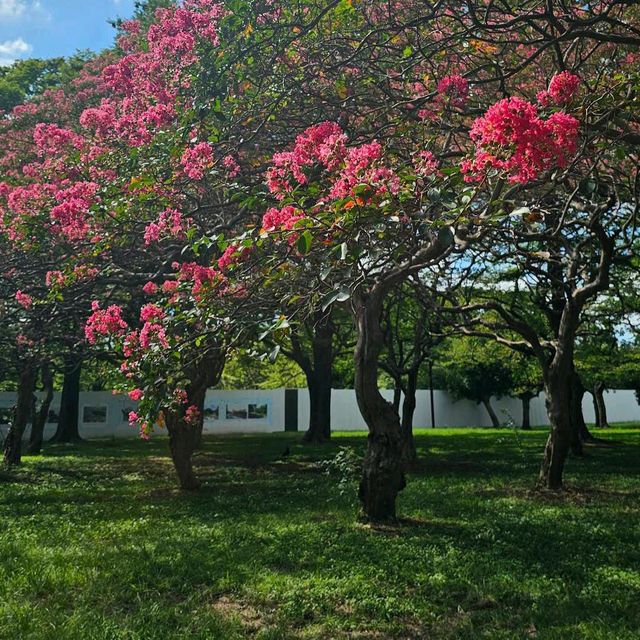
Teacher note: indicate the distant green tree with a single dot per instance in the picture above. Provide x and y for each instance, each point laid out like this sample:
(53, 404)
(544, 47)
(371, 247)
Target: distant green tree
(477, 369)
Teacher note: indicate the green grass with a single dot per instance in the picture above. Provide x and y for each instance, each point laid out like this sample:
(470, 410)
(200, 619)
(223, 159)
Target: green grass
(96, 543)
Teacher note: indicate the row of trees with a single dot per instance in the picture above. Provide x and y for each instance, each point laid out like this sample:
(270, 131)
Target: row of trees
(236, 172)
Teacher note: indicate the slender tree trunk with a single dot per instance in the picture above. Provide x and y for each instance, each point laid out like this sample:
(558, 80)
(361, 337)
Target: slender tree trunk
(186, 436)
(319, 378)
(40, 416)
(558, 402)
(397, 395)
(578, 425)
(67, 430)
(492, 414)
(526, 412)
(383, 473)
(600, 406)
(13, 441)
(408, 411)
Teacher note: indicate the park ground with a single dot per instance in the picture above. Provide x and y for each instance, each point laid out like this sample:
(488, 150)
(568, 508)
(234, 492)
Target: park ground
(97, 544)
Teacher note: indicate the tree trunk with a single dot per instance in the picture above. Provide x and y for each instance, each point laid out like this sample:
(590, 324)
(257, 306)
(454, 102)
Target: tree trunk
(40, 416)
(397, 395)
(184, 439)
(558, 402)
(13, 441)
(578, 426)
(492, 414)
(383, 473)
(526, 412)
(408, 411)
(600, 406)
(184, 436)
(319, 378)
(67, 430)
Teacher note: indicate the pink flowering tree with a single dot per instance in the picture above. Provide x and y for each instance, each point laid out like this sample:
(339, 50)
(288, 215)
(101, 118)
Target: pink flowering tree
(372, 220)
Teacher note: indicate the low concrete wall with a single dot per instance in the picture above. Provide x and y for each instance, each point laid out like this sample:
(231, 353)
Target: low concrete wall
(104, 414)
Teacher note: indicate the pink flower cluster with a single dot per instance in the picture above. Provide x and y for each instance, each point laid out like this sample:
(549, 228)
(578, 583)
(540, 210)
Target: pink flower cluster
(51, 139)
(453, 90)
(231, 165)
(73, 205)
(323, 144)
(425, 164)
(24, 299)
(192, 415)
(562, 89)
(200, 276)
(135, 394)
(169, 223)
(513, 139)
(104, 322)
(232, 255)
(361, 166)
(153, 332)
(197, 160)
(284, 218)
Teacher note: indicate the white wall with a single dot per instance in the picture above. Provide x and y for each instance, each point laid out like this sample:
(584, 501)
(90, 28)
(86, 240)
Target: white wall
(621, 407)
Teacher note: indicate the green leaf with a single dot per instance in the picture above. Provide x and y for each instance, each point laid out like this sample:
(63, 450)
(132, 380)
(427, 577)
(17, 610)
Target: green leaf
(304, 241)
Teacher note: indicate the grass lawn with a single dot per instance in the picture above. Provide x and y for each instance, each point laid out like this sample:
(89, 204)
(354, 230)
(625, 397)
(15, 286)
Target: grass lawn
(96, 543)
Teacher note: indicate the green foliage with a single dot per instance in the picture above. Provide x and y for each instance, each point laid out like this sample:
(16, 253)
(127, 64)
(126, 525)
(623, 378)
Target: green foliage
(246, 370)
(97, 543)
(476, 369)
(27, 78)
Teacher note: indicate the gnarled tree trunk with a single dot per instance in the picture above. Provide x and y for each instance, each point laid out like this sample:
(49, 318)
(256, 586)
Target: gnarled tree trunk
(41, 414)
(67, 430)
(383, 473)
(22, 410)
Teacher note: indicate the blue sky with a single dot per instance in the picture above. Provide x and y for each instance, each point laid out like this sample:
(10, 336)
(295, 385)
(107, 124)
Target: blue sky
(49, 28)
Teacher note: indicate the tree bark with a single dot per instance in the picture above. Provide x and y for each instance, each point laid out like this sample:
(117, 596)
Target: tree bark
(526, 412)
(408, 411)
(600, 406)
(40, 416)
(578, 426)
(13, 441)
(67, 430)
(397, 395)
(558, 402)
(319, 374)
(383, 473)
(492, 414)
(185, 436)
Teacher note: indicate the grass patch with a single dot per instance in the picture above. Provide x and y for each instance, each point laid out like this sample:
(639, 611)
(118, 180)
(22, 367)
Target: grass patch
(97, 544)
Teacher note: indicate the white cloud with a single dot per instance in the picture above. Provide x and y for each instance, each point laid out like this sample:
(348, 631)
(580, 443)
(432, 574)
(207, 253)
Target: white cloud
(10, 50)
(12, 8)
(21, 10)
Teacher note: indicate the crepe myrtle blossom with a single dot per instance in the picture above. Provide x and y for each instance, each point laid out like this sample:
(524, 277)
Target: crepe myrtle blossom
(104, 322)
(197, 160)
(454, 90)
(513, 139)
(23, 299)
(325, 146)
(562, 89)
(135, 394)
